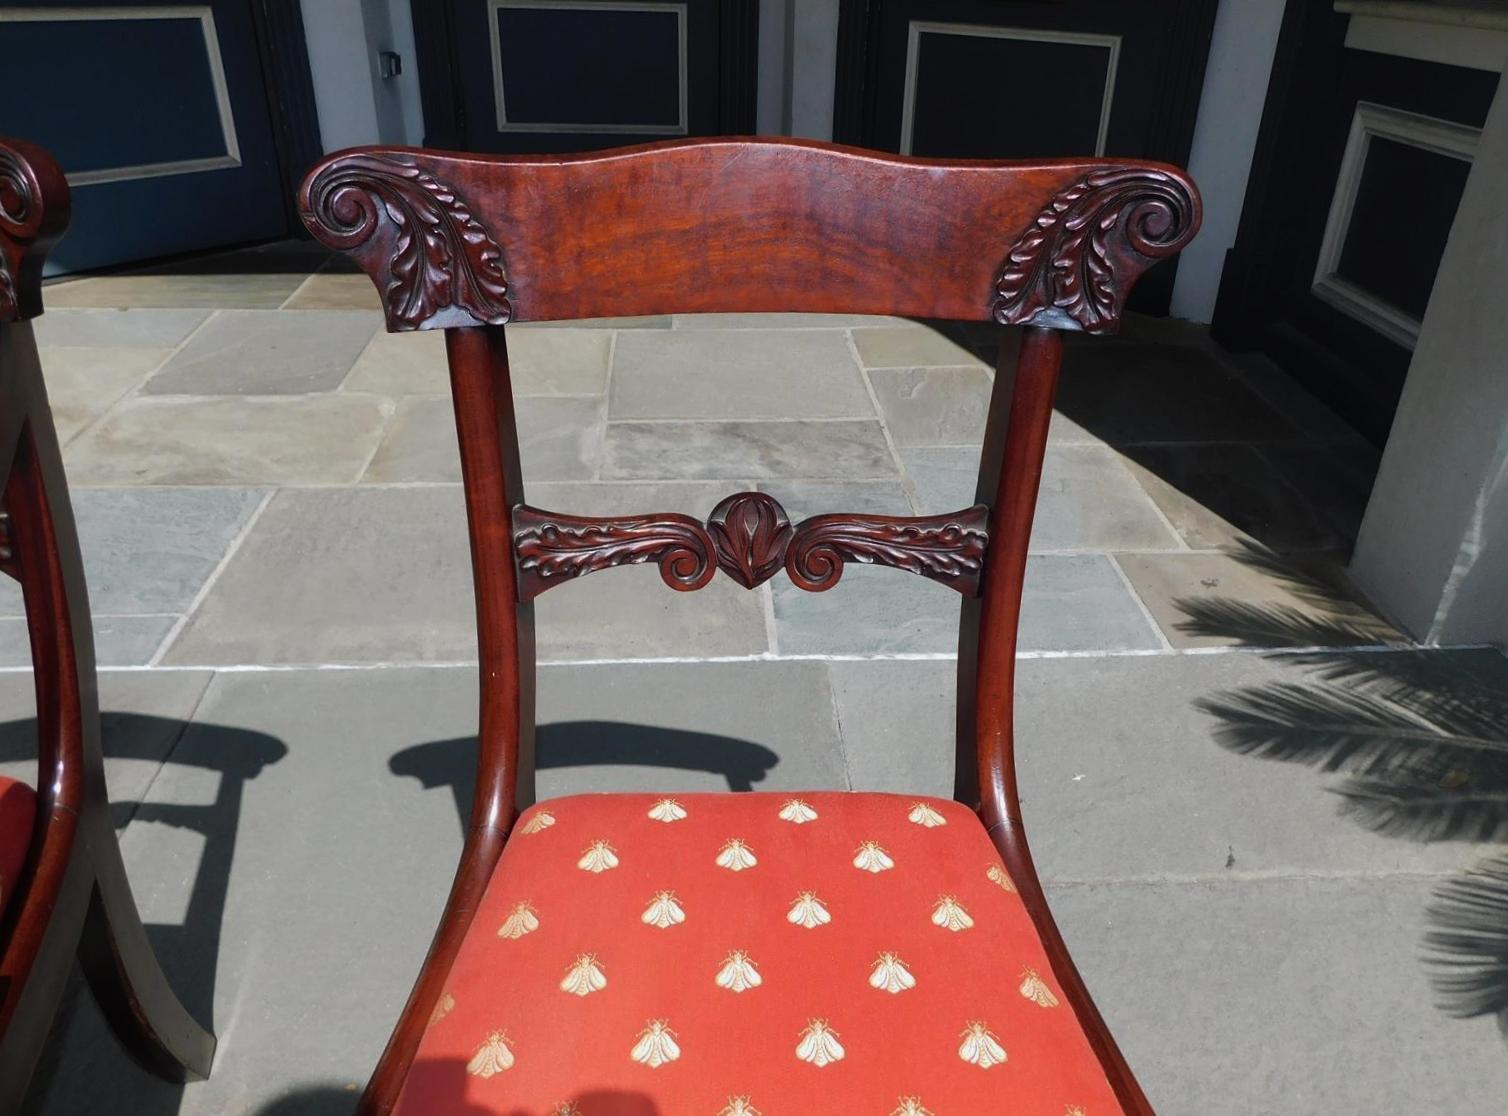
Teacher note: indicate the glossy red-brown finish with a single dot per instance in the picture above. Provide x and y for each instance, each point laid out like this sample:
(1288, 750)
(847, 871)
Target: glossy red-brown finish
(762, 225)
(73, 899)
(467, 243)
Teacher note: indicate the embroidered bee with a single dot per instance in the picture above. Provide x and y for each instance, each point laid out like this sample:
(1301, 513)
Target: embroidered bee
(819, 1044)
(667, 810)
(950, 915)
(738, 973)
(520, 922)
(656, 1045)
(584, 977)
(924, 815)
(735, 856)
(891, 975)
(1073, 1110)
(872, 858)
(565, 1108)
(492, 1057)
(997, 876)
(1035, 989)
(911, 1106)
(739, 1106)
(598, 858)
(663, 911)
(540, 822)
(442, 1009)
(808, 911)
(980, 1048)
(797, 812)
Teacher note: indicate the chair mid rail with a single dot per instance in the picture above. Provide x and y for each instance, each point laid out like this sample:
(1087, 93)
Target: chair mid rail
(749, 537)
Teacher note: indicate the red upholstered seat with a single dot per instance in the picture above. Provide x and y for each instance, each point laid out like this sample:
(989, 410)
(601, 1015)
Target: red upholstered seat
(18, 809)
(753, 953)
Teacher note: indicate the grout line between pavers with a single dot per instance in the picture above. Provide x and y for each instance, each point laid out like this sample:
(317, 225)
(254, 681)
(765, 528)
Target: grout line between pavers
(1267, 875)
(155, 662)
(832, 697)
(187, 723)
(607, 403)
(388, 409)
(766, 657)
(908, 487)
(1141, 605)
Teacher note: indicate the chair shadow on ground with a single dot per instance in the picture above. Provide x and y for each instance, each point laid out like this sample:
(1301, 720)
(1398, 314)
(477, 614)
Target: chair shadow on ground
(448, 1083)
(452, 763)
(1419, 740)
(188, 951)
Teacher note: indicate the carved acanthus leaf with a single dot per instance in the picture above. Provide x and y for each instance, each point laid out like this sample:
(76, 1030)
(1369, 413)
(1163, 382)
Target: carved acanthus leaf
(946, 548)
(750, 531)
(1072, 268)
(550, 548)
(436, 264)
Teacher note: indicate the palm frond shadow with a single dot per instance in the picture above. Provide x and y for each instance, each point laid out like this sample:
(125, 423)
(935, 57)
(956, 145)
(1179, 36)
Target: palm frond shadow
(1420, 741)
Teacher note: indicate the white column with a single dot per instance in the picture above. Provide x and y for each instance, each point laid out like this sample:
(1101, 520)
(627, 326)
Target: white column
(1433, 549)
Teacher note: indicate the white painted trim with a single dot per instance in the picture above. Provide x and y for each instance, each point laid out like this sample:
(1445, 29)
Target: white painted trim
(1428, 11)
(919, 27)
(206, 18)
(503, 125)
(1473, 47)
(1443, 137)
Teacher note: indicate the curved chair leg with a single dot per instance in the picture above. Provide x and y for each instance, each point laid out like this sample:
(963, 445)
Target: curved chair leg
(127, 981)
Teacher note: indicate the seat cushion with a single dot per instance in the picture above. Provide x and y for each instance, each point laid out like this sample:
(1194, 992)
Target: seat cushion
(753, 953)
(18, 809)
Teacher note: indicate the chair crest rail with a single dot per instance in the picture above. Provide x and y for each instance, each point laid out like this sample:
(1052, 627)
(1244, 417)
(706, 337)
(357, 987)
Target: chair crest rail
(749, 537)
(432, 229)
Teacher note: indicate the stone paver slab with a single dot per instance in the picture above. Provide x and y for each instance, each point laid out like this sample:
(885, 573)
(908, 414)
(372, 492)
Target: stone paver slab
(255, 352)
(150, 550)
(94, 328)
(717, 374)
(342, 576)
(559, 439)
(933, 406)
(196, 441)
(747, 450)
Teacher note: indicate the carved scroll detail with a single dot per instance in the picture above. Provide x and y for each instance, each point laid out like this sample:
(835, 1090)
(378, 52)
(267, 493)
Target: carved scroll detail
(947, 548)
(749, 537)
(750, 531)
(21, 212)
(550, 548)
(1072, 268)
(436, 264)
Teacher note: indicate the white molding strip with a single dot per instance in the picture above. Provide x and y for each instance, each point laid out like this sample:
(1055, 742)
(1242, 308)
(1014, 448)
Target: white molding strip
(206, 18)
(919, 27)
(1478, 45)
(681, 128)
(1443, 137)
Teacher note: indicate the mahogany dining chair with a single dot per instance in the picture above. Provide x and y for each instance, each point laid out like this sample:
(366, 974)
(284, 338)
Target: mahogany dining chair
(64, 894)
(748, 953)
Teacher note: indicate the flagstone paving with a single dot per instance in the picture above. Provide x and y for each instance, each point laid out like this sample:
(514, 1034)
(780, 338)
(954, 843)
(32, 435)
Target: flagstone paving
(1249, 795)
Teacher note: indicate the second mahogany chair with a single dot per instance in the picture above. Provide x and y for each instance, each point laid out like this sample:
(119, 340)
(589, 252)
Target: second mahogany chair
(750, 953)
(63, 887)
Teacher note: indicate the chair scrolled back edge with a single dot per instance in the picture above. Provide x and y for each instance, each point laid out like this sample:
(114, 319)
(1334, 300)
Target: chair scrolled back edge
(746, 225)
(34, 210)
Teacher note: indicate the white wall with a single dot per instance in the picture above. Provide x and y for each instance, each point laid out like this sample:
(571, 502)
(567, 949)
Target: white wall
(354, 103)
(1225, 135)
(813, 46)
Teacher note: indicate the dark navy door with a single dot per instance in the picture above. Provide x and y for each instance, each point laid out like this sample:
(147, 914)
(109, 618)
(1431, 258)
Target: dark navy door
(569, 75)
(158, 114)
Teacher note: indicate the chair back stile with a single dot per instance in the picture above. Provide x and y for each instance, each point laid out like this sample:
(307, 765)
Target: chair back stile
(467, 243)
